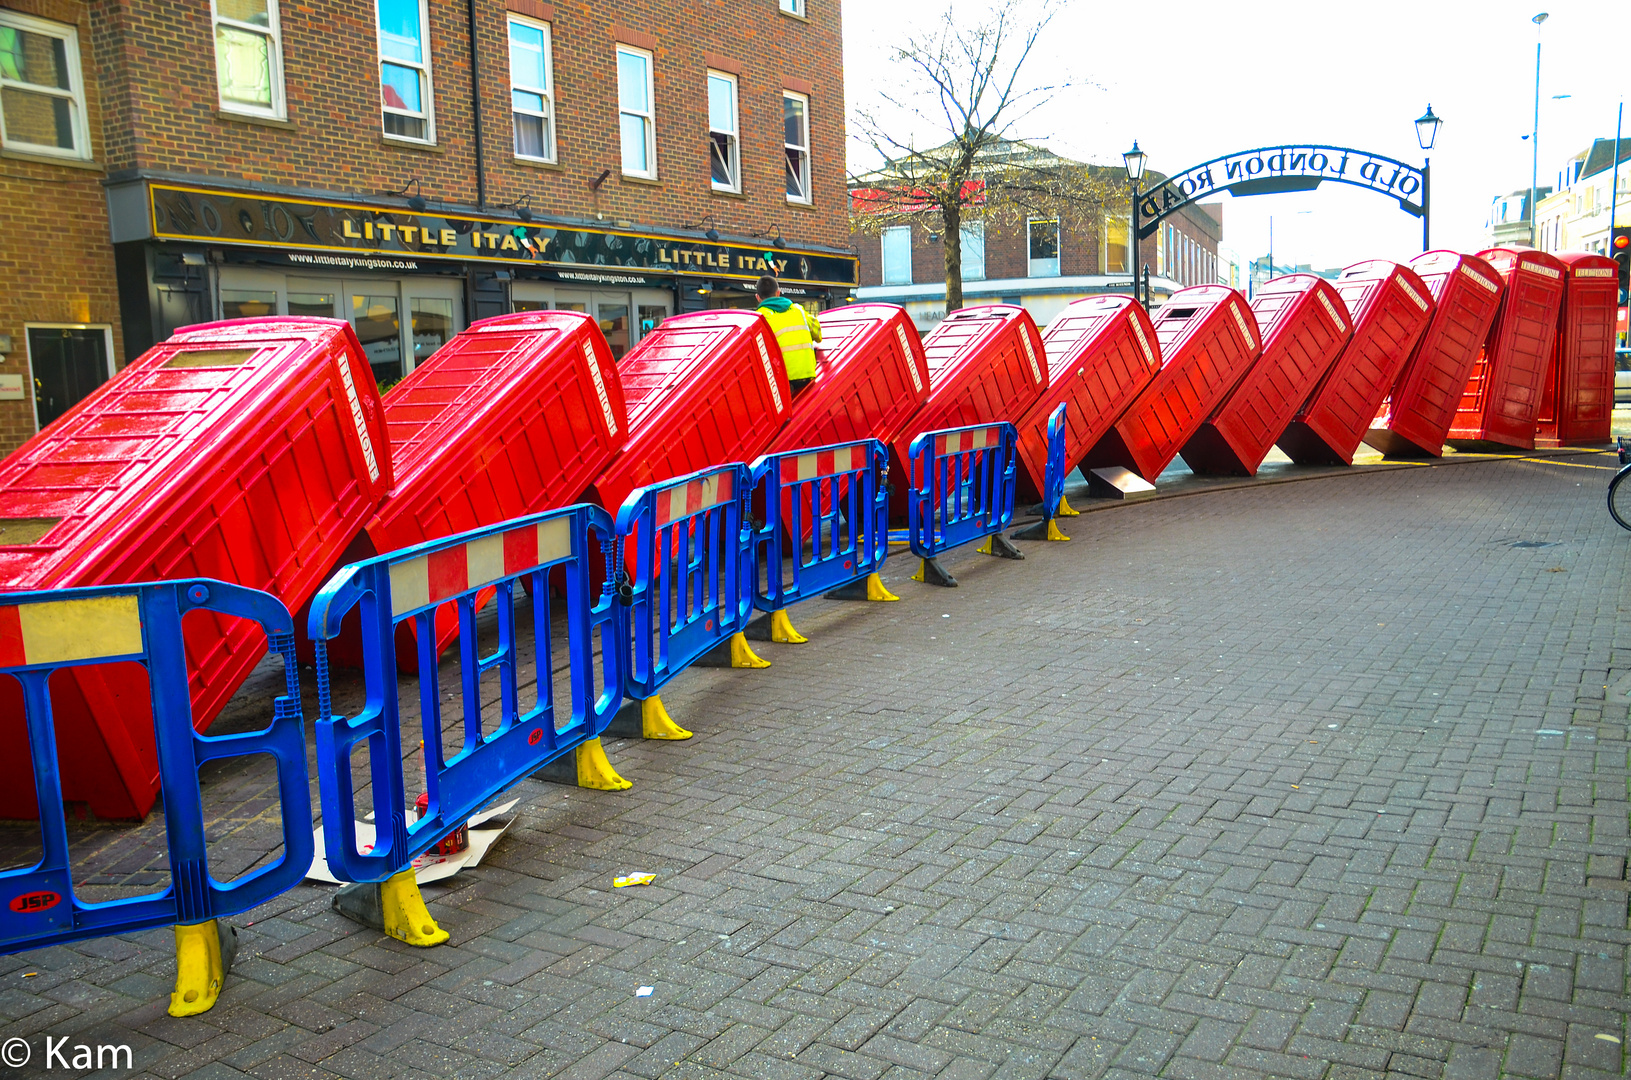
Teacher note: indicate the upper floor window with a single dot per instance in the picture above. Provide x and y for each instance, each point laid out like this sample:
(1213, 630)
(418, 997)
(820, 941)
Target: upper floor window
(897, 255)
(1116, 244)
(249, 57)
(724, 146)
(971, 244)
(1043, 247)
(532, 105)
(793, 7)
(634, 108)
(796, 136)
(404, 70)
(42, 93)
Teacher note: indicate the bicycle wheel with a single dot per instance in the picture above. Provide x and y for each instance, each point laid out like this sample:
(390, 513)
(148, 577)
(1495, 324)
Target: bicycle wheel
(1619, 498)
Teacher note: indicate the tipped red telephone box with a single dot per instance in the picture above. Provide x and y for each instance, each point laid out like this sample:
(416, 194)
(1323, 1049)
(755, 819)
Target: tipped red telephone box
(1305, 325)
(1390, 308)
(1208, 340)
(1466, 293)
(1102, 353)
(517, 414)
(1578, 404)
(251, 451)
(985, 364)
(1502, 396)
(702, 389)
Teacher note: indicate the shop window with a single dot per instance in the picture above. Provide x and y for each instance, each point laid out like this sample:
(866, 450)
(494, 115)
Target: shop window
(614, 323)
(432, 325)
(404, 70)
(1043, 247)
(634, 105)
(379, 328)
(972, 243)
(320, 304)
(651, 317)
(248, 303)
(532, 97)
(724, 146)
(897, 255)
(42, 93)
(249, 57)
(67, 363)
(796, 137)
(1116, 232)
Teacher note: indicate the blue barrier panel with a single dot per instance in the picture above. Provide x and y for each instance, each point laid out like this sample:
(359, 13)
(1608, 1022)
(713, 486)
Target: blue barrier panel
(693, 571)
(826, 505)
(43, 632)
(412, 584)
(962, 486)
(1053, 475)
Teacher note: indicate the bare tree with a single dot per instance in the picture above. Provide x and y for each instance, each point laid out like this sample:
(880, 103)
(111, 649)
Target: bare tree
(968, 81)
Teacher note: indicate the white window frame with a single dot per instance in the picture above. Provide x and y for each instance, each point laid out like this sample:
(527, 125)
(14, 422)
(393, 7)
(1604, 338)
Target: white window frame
(547, 92)
(75, 93)
(794, 7)
(735, 134)
(423, 67)
(883, 256)
(1058, 248)
(273, 34)
(809, 196)
(650, 116)
(1104, 248)
(975, 231)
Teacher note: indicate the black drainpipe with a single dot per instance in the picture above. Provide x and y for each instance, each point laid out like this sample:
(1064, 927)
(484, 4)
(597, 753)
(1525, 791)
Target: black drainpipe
(475, 108)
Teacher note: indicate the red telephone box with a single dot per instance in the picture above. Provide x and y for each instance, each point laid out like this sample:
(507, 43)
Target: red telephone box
(702, 389)
(516, 414)
(1466, 292)
(1102, 352)
(1578, 404)
(1304, 325)
(1208, 340)
(1390, 308)
(251, 451)
(985, 363)
(1502, 395)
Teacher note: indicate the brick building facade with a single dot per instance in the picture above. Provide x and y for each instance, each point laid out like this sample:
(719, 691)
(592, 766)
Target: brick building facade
(1000, 264)
(360, 159)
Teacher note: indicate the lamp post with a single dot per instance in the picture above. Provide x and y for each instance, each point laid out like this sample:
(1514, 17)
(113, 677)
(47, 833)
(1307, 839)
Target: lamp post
(1426, 131)
(1534, 143)
(1134, 160)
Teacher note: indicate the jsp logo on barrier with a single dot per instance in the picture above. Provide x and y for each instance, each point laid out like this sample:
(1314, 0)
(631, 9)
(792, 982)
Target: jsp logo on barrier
(57, 1053)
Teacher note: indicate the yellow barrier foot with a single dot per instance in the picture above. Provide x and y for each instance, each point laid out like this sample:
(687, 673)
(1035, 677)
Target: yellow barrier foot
(742, 654)
(781, 629)
(930, 572)
(393, 906)
(204, 953)
(869, 588)
(1065, 510)
(1053, 531)
(998, 545)
(876, 592)
(594, 771)
(655, 723)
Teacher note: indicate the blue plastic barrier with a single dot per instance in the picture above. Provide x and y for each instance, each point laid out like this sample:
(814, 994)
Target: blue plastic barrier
(828, 507)
(962, 486)
(693, 571)
(43, 632)
(412, 584)
(1053, 474)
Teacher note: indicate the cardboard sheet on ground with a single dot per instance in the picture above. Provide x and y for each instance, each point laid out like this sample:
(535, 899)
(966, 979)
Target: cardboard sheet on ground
(430, 866)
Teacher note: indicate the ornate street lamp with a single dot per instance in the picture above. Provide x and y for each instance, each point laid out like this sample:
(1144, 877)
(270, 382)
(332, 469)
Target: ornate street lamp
(1134, 160)
(1426, 132)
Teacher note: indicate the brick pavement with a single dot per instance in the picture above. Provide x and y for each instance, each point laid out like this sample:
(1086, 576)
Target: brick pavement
(1309, 780)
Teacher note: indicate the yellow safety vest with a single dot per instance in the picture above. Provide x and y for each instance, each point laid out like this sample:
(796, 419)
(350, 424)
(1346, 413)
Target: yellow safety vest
(796, 333)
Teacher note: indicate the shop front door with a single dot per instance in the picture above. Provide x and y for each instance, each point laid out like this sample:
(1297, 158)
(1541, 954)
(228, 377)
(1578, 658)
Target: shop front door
(68, 363)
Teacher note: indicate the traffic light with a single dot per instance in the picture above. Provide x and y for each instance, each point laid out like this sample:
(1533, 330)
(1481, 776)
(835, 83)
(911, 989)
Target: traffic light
(1619, 249)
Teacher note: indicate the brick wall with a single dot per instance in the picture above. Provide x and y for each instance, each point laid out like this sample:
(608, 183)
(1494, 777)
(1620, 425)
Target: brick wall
(55, 260)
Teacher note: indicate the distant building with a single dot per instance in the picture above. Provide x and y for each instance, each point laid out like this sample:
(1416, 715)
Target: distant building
(1262, 272)
(1039, 264)
(1575, 216)
(1508, 221)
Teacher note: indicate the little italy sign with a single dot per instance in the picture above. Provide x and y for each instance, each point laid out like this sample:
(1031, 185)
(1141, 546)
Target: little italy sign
(1274, 169)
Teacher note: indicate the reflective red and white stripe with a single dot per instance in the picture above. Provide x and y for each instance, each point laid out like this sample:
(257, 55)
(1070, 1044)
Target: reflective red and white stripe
(694, 497)
(820, 463)
(475, 564)
(63, 631)
(958, 442)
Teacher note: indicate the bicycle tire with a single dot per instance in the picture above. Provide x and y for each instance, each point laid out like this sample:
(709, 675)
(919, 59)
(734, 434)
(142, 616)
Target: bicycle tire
(1619, 498)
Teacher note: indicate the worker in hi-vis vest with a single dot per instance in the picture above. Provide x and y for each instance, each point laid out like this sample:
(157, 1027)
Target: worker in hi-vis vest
(796, 332)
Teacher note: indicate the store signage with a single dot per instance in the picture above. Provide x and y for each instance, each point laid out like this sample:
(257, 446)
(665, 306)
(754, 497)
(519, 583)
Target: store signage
(1273, 169)
(359, 235)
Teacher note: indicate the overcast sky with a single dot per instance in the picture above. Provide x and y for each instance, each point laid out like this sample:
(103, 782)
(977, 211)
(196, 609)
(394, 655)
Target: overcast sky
(1192, 81)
